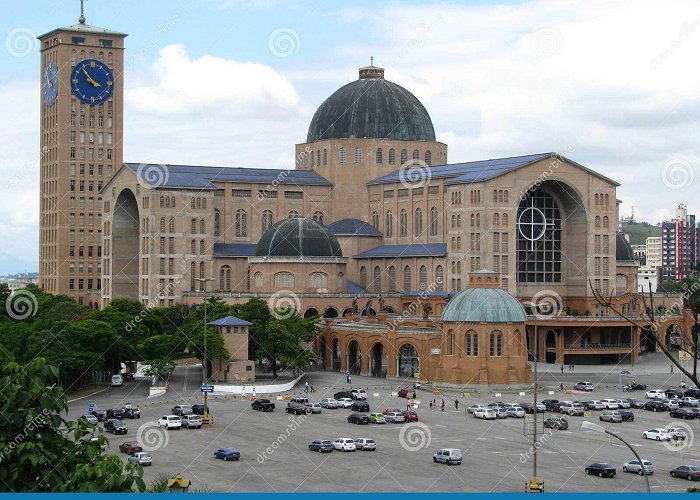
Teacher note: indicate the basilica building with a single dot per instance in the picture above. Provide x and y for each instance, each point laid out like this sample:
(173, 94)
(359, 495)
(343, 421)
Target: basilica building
(417, 266)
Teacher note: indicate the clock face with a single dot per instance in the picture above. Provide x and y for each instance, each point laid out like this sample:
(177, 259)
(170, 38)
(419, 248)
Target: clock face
(92, 81)
(50, 86)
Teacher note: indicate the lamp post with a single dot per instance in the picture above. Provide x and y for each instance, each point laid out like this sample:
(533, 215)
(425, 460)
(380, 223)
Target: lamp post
(205, 371)
(598, 428)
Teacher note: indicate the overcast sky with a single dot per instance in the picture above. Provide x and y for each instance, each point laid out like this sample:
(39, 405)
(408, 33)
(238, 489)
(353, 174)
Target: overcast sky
(612, 85)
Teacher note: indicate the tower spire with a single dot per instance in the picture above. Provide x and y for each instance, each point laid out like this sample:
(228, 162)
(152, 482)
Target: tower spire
(81, 19)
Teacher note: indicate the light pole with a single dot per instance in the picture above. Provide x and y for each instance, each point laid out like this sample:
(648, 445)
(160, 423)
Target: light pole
(598, 428)
(205, 371)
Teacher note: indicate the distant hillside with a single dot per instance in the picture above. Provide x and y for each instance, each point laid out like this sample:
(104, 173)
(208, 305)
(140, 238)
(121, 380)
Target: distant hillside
(639, 231)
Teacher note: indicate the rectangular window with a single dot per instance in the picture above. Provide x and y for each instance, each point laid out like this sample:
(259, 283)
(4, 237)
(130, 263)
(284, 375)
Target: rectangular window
(162, 271)
(418, 191)
(294, 195)
(105, 43)
(109, 138)
(77, 40)
(240, 193)
(433, 189)
(496, 242)
(504, 242)
(264, 193)
(403, 193)
(504, 264)
(389, 194)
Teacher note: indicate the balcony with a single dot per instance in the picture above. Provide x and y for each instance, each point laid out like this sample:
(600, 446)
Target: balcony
(588, 348)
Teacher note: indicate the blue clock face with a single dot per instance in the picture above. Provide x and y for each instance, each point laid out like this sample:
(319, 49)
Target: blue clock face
(50, 87)
(92, 81)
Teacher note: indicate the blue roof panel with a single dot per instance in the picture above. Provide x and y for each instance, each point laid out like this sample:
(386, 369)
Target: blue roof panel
(353, 287)
(353, 227)
(230, 321)
(415, 250)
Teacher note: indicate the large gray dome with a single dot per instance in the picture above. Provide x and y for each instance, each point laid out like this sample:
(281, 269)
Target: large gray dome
(371, 107)
(487, 305)
(298, 237)
(623, 249)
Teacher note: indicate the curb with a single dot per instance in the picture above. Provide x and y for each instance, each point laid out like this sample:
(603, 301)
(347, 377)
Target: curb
(88, 395)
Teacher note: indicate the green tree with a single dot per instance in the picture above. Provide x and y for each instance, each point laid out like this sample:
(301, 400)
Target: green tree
(282, 341)
(40, 451)
(257, 312)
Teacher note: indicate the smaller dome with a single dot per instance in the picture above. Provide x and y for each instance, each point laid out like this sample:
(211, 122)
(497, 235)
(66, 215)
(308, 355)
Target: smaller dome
(623, 249)
(298, 237)
(487, 305)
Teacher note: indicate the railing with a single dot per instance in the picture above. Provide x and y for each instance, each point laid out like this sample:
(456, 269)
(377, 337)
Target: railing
(598, 347)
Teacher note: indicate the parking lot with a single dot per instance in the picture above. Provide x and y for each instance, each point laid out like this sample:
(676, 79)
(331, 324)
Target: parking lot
(275, 455)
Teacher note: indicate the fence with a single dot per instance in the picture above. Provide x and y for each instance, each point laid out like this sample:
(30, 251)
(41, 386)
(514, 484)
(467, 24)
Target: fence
(91, 378)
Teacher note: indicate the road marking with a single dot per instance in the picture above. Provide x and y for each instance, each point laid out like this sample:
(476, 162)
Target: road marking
(499, 437)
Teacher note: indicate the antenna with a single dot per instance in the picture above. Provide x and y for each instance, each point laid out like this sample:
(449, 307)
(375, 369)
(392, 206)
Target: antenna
(81, 19)
(371, 60)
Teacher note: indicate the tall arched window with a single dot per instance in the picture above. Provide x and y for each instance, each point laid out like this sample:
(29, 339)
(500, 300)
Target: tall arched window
(258, 280)
(193, 276)
(192, 202)
(389, 224)
(358, 156)
(478, 220)
(403, 222)
(418, 222)
(428, 157)
(606, 222)
(433, 221)
(607, 200)
(217, 222)
(318, 280)
(416, 156)
(201, 247)
(450, 343)
(439, 278)
(284, 279)
(199, 202)
(392, 279)
(241, 223)
(292, 213)
(496, 344)
(202, 284)
(496, 220)
(404, 156)
(193, 247)
(342, 156)
(504, 219)
(597, 221)
(423, 278)
(201, 226)
(267, 220)
(597, 199)
(225, 278)
(380, 156)
(162, 202)
(318, 217)
(472, 220)
(377, 279)
(363, 277)
(407, 278)
(472, 344)
(375, 220)
(193, 226)
(162, 224)
(392, 156)
(171, 225)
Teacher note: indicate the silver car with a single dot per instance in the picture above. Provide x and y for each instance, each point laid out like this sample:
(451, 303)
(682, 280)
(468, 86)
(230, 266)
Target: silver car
(314, 407)
(624, 404)
(635, 467)
(395, 417)
(329, 403)
(611, 416)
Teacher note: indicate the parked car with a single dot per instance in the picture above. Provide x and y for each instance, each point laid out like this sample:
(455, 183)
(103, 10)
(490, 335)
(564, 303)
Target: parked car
(689, 401)
(601, 469)
(655, 393)
(636, 387)
(130, 447)
(191, 421)
(296, 408)
(677, 433)
(627, 415)
(360, 406)
(501, 413)
(636, 467)
(584, 386)
(693, 392)
(410, 416)
(559, 423)
(515, 412)
(530, 407)
(694, 411)
(392, 410)
(376, 418)
(358, 418)
(684, 413)
(321, 445)
(635, 403)
(657, 434)
(90, 418)
(181, 410)
(571, 408)
(672, 404)
(610, 416)
(198, 409)
(300, 400)
(448, 456)
(263, 405)
(342, 394)
(227, 454)
(551, 404)
(474, 408)
(115, 427)
(141, 458)
(486, 414)
(132, 412)
(595, 404)
(365, 444)
(115, 413)
(100, 415)
(689, 472)
(655, 405)
(407, 393)
(359, 394)
(623, 404)
(330, 403)
(170, 422)
(498, 405)
(345, 402)
(345, 444)
(395, 417)
(609, 404)
(314, 407)
(673, 393)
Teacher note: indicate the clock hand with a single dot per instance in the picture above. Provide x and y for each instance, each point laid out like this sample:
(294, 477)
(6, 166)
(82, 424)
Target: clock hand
(90, 79)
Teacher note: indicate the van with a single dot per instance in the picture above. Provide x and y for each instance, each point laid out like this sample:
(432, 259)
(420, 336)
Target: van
(448, 456)
(301, 401)
(117, 380)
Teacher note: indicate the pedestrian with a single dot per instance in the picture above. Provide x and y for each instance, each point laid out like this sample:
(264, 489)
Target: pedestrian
(456, 404)
(431, 405)
(562, 368)
(572, 367)
(671, 369)
(349, 381)
(561, 387)
(306, 387)
(434, 403)
(442, 405)
(408, 406)
(312, 388)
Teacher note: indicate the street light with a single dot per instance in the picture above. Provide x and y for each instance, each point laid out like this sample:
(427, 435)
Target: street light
(205, 371)
(598, 428)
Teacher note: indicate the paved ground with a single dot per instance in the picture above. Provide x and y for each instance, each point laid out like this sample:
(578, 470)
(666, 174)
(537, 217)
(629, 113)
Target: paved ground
(275, 454)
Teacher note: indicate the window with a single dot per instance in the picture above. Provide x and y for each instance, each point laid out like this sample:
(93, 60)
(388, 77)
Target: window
(377, 279)
(504, 219)
(193, 270)
(358, 156)
(284, 279)
(243, 193)
(241, 228)
(318, 217)
(375, 220)
(416, 156)
(193, 226)
(162, 225)
(428, 157)
(267, 220)
(343, 156)
(217, 222)
(423, 278)
(380, 156)
(294, 195)
(606, 221)
(439, 278)
(389, 224)
(407, 278)
(392, 156)
(201, 226)
(418, 222)
(293, 213)
(325, 156)
(225, 278)
(403, 223)
(193, 247)
(258, 280)
(363, 277)
(597, 220)
(472, 344)
(433, 221)
(318, 280)
(404, 156)
(172, 225)
(201, 247)
(202, 284)
(496, 344)
(392, 279)
(539, 255)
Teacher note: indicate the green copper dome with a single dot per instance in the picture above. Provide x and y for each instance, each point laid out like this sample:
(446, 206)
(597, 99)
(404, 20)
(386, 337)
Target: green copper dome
(298, 237)
(488, 305)
(371, 107)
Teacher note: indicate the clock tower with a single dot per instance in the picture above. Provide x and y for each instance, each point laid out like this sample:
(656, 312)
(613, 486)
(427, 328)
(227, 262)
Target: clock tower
(82, 111)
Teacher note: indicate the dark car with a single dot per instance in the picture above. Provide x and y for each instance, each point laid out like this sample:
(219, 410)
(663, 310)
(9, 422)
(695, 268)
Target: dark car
(637, 387)
(360, 406)
(693, 393)
(627, 416)
(263, 405)
(655, 405)
(115, 426)
(133, 412)
(410, 416)
(551, 404)
(407, 393)
(321, 445)
(694, 411)
(689, 472)
(673, 393)
(101, 415)
(601, 469)
(198, 409)
(357, 418)
(227, 454)
(115, 413)
(530, 407)
(297, 408)
(684, 413)
(181, 410)
(635, 403)
(558, 423)
(130, 447)
(342, 394)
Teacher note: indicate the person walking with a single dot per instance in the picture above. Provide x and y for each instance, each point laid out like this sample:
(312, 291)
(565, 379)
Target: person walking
(306, 387)
(456, 404)
(442, 405)
(562, 368)
(431, 405)
(312, 388)
(572, 367)
(671, 369)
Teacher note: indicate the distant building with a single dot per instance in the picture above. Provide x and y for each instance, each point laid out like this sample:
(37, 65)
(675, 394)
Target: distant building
(653, 251)
(678, 245)
(640, 253)
(648, 277)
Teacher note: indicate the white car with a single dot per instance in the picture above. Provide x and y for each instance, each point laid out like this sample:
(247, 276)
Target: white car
(140, 458)
(657, 434)
(474, 408)
(621, 403)
(345, 403)
(584, 386)
(673, 404)
(395, 417)
(515, 411)
(365, 444)
(344, 444)
(90, 418)
(359, 394)
(314, 407)
(636, 468)
(609, 404)
(595, 404)
(329, 403)
(688, 401)
(170, 422)
(676, 433)
(655, 394)
(486, 414)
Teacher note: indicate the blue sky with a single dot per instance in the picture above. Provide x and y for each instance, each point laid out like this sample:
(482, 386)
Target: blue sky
(226, 82)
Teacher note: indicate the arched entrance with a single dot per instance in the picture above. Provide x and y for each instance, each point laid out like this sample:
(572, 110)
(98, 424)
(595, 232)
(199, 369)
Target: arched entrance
(551, 342)
(408, 363)
(331, 312)
(125, 247)
(335, 355)
(674, 337)
(354, 356)
(311, 312)
(377, 361)
(389, 309)
(647, 341)
(322, 347)
(347, 312)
